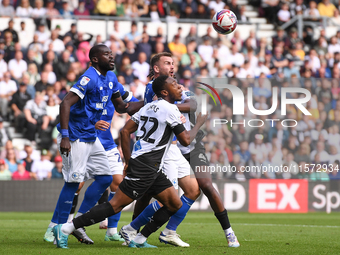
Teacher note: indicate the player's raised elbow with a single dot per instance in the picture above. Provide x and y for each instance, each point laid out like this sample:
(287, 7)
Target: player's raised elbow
(193, 105)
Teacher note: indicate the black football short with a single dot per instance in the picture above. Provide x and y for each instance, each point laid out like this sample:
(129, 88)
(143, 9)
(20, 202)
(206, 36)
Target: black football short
(197, 156)
(141, 179)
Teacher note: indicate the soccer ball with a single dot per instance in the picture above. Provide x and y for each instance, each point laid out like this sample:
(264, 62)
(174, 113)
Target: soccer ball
(224, 22)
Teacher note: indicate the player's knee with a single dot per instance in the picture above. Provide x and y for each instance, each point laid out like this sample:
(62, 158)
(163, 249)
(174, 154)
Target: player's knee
(206, 186)
(193, 193)
(176, 205)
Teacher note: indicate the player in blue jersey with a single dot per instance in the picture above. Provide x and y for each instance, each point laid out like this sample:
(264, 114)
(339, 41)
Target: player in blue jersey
(176, 167)
(155, 124)
(195, 154)
(82, 153)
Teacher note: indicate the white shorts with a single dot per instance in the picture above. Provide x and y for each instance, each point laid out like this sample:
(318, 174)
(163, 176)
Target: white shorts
(115, 162)
(175, 165)
(84, 160)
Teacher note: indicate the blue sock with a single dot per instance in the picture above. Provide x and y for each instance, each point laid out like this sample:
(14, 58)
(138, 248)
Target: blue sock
(112, 221)
(145, 216)
(64, 204)
(94, 192)
(179, 216)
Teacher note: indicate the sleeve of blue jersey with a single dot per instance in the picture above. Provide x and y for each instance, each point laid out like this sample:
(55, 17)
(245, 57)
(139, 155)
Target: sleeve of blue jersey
(130, 97)
(82, 86)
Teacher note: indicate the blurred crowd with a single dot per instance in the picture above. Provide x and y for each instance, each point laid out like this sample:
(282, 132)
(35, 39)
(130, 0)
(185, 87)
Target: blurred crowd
(36, 73)
(154, 9)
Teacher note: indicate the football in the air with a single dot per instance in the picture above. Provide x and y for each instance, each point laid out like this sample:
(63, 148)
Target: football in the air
(224, 22)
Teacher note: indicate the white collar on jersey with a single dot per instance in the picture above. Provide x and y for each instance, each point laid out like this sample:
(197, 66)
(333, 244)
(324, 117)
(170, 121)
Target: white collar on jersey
(97, 71)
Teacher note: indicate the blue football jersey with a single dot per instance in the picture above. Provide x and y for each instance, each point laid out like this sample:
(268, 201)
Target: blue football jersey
(105, 137)
(95, 91)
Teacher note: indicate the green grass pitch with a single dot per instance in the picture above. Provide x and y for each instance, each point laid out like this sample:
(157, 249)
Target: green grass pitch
(312, 233)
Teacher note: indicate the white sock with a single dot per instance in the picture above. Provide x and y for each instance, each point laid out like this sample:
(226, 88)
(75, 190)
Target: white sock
(228, 231)
(111, 231)
(129, 228)
(52, 224)
(67, 228)
(167, 231)
(139, 238)
(78, 214)
(70, 217)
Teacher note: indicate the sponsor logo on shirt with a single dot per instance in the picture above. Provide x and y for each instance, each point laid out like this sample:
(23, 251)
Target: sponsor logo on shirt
(99, 105)
(105, 98)
(85, 80)
(104, 112)
(81, 88)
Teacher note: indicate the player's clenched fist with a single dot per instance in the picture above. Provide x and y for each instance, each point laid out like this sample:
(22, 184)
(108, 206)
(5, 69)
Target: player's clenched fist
(65, 146)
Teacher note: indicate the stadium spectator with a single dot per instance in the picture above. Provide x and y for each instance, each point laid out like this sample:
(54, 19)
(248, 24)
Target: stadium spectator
(5, 174)
(216, 5)
(326, 8)
(11, 160)
(154, 12)
(21, 174)
(10, 29)
(58, 45)
(3, 64)
(145, 46)
(57, 170)
(42, 169)
(134, 35)
(52, 78)
(29, 157)
(177, 48)
(283, 15)
(7, 88)
(4, 134)
(312, 11)
(35, 113)
(65, 10)
(63, 65)
(38, 12)
(18, 103)
(6, 10)
(42, 33)
(17, 66)
(106, 7)
(141, 68)
(81, 10)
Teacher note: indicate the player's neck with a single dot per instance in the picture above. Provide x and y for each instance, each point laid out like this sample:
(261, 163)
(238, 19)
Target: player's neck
(168, 99)
(100, 71)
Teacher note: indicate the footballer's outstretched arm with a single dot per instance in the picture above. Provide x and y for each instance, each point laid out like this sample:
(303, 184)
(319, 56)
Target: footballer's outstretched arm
(119, 104)
(128, 129)
(186, 137)
(64, 112)
(134, 107)
(189, 105)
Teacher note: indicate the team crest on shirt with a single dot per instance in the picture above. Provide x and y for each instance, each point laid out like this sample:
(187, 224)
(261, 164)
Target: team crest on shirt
(85, 80)
(75, 176)
(110, 84)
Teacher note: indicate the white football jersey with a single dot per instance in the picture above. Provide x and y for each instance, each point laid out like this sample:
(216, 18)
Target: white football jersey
(190, 122)
(157, 122)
